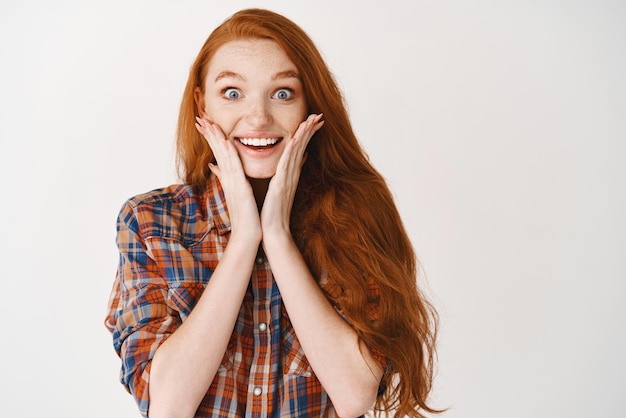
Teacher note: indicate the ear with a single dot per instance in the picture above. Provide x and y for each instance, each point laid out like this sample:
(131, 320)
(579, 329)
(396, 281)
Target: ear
(199, 99)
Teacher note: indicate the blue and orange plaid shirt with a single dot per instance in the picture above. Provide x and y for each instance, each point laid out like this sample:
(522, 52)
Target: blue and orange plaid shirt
(170, 241)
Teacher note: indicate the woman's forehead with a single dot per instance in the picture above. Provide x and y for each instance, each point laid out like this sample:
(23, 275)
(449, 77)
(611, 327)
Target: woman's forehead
(250, 54)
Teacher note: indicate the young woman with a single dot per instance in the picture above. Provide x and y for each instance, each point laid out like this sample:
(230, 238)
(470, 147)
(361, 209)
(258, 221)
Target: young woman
(278, 280)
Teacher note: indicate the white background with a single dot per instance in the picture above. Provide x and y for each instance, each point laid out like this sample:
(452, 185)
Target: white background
(500, 126)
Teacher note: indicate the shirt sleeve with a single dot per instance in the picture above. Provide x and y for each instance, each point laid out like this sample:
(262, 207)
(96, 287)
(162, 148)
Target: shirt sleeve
(138, 317)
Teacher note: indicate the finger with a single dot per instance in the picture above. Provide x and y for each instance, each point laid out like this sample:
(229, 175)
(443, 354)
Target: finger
(203, 127)
(199, 127)
(296, 147)
(213, 134)
(215, 169)
(307, 128)
(208, 128)
(298, 142)
(306, 124)
(202, 123)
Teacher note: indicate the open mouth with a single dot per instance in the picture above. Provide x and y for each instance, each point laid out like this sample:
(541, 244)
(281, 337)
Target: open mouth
(259, 143)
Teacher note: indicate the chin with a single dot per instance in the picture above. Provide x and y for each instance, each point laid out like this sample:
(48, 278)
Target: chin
(257, 173)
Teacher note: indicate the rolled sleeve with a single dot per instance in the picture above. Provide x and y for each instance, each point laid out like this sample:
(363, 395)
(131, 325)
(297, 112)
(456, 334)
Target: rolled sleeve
(138, 315)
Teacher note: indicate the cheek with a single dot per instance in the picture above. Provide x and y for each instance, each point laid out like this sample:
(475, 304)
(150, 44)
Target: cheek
(219, 115)
(293, 118)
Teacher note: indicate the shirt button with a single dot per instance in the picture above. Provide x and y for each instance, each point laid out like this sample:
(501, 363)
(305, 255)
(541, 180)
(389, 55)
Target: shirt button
(257, 391)
(262, 326)
(260, 260)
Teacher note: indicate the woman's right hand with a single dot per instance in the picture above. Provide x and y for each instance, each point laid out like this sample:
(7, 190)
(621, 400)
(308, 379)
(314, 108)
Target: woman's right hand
(242, 208)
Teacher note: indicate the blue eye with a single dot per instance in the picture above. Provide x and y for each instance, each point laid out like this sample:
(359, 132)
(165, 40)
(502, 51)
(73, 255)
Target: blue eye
(284, 94)
(232, 93)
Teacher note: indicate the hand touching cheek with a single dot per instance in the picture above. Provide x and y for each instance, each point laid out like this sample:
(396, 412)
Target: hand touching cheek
(276, 210)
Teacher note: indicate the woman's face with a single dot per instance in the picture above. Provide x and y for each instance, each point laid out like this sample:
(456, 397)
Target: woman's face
(253, 92)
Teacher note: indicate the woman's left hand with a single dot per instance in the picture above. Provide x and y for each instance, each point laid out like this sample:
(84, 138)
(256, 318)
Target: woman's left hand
(276, 211)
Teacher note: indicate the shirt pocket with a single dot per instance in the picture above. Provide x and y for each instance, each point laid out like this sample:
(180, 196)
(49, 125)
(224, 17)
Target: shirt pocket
(187, 269)
(183, 296)
(184, 270)
(295, 362)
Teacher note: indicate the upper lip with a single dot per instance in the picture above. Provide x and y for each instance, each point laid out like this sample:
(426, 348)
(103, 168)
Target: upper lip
(258, 135)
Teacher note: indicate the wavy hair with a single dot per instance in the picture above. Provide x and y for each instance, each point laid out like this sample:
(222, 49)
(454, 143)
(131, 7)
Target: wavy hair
(343, 213)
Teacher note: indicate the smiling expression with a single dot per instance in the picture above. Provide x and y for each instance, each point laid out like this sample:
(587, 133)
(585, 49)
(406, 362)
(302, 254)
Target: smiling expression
(253, 92)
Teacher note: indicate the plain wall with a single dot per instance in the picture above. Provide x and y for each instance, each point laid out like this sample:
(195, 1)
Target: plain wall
(499, 125)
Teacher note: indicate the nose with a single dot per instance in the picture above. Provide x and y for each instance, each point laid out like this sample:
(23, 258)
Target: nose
(259, 113)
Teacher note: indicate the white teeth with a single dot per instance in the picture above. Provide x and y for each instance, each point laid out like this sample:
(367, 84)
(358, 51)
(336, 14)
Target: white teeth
(258, 142)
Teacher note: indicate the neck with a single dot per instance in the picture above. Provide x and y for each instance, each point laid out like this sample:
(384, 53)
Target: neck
(259, 188)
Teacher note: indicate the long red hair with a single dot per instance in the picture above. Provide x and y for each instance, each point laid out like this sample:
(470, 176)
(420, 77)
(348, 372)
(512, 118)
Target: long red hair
(344, 214)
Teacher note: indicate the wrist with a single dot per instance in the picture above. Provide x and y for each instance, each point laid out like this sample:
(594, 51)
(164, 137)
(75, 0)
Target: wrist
(245, 238)
(276, 240)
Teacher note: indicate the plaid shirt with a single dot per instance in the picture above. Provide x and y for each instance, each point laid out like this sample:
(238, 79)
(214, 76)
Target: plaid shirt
(170, 241)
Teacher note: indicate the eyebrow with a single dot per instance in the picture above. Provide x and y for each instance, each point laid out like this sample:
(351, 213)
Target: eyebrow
(228, 74)
(277, 76)
(286, 74)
